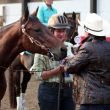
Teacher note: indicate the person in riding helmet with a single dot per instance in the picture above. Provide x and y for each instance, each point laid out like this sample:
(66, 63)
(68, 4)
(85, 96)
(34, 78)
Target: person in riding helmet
(53, 93)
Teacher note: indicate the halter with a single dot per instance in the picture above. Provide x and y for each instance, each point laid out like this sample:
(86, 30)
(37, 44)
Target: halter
(36, 42)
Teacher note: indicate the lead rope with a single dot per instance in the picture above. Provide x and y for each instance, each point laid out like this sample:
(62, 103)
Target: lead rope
(61, 82)
(59, 89)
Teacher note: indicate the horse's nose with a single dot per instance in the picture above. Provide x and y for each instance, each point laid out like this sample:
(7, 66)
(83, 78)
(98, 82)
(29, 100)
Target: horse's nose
(63, 52)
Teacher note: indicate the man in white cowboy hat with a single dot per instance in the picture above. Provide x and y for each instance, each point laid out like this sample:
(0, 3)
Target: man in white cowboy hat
(92, 64)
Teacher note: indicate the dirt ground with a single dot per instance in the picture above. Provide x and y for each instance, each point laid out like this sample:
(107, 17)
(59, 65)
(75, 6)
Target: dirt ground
(31, 96)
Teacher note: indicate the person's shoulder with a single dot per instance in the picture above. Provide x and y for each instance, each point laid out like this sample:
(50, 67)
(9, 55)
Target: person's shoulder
(37, 55)
(43, 6)
(87, 46)
(53, 8)
(40, 56)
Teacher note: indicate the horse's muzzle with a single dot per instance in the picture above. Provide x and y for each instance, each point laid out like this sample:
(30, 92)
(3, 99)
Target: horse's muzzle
(53, 56)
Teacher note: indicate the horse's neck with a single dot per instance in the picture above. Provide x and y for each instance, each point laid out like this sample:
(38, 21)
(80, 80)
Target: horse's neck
(9, 44)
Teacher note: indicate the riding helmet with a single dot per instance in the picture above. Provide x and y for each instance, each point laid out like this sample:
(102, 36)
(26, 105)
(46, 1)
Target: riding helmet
(58, 21)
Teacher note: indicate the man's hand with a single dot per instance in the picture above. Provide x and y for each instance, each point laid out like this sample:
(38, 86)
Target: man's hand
(65, 62)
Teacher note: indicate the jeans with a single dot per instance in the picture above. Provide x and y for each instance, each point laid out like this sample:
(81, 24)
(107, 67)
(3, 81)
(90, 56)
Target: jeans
(95, 107)
(48, 98)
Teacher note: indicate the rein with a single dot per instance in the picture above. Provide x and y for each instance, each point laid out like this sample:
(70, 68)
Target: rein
(36, 42)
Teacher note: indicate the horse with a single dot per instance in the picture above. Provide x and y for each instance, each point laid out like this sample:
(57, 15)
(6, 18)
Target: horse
(73, 31)
(19, 89)
(29, 34)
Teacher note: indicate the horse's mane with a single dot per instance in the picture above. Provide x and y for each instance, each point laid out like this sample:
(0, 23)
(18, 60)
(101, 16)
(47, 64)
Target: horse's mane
(5, 28)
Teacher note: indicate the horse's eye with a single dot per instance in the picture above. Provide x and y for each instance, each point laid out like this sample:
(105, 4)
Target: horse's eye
(37, 30)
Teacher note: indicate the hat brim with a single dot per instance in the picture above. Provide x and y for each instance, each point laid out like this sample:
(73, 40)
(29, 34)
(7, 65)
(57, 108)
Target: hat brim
(62, 27)
(104, 32)
(65, 26)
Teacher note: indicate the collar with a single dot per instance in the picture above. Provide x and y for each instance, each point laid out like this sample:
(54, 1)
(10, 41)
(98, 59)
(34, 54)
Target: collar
(46, 7)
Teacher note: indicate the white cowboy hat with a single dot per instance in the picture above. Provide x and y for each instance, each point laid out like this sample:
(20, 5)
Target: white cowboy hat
(95, 25)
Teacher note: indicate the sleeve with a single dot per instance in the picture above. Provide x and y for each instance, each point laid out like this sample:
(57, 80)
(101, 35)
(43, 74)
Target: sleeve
(38, 66)
(80, 60)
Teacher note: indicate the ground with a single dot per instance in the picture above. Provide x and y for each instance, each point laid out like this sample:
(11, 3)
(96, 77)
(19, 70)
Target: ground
(31, 96)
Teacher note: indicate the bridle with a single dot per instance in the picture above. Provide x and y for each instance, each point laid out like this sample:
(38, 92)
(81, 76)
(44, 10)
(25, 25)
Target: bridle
(36, 42)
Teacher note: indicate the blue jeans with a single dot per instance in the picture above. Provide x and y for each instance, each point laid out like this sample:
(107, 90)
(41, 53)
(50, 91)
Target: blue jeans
(95, 107)
(48, 98)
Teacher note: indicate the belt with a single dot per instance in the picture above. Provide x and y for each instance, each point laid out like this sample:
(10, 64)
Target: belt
(55, 84)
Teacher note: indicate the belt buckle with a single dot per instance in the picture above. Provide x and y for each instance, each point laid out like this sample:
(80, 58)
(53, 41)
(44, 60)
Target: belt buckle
(61, 86)
(68, 85)
(54, 85)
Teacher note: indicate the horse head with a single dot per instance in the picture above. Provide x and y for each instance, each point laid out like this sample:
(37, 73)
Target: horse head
(72, 32)
(37, 38)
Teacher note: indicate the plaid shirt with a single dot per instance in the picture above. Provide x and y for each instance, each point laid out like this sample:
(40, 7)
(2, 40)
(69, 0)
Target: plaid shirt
(43, 63)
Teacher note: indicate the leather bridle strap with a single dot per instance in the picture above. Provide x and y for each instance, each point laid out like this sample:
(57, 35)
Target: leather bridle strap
(36, 42)
(32, 40)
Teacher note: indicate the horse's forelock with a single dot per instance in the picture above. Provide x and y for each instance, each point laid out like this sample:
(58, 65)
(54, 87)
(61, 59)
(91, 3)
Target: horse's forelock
(33, 18)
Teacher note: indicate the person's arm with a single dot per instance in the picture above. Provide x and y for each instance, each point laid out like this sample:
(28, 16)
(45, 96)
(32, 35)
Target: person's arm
(40, 69)
(79, 61)
(48, 74)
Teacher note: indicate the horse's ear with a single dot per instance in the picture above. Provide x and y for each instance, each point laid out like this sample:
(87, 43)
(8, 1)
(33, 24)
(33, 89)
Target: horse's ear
(35, 12)
(64, 14)
(74, 15)
(25, 15)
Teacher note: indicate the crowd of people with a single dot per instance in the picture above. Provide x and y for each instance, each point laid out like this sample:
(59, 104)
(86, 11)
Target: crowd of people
(90, 62)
